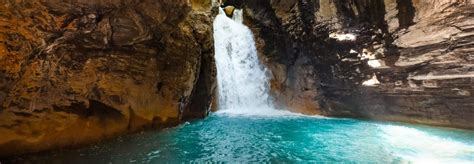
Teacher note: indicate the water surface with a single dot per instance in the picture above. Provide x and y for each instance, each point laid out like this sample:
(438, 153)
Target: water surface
(281, 138)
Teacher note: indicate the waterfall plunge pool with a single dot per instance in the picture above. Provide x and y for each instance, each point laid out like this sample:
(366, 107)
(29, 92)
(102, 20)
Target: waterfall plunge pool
(251, 130)
(224, 137)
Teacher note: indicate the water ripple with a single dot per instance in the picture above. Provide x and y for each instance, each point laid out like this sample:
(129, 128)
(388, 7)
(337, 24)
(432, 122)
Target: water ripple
(223, 138)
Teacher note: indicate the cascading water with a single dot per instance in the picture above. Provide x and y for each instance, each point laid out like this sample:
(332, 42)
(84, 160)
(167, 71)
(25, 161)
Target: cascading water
(242, 80)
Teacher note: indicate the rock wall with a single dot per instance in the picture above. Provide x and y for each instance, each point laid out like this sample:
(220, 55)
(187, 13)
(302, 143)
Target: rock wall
(398, 60)
(75, 72)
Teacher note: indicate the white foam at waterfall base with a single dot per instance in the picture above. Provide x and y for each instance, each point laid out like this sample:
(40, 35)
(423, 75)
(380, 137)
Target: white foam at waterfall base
(260, 112)
(421, 147)
(242, 79)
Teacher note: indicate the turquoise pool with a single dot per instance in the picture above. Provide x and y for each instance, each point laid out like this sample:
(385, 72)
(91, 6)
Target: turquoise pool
(284, 138)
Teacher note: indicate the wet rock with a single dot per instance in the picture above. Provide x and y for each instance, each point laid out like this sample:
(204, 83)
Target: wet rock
(229, 10)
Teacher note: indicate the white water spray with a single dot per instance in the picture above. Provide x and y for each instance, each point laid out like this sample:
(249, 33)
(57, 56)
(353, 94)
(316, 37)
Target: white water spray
(242, 80)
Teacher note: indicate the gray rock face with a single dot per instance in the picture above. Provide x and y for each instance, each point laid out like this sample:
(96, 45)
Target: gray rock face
(408, 61)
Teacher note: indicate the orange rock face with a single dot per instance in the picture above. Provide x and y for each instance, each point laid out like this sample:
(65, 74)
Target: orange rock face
(77, 72)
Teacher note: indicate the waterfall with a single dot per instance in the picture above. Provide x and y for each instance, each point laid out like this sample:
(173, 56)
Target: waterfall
(242, 80)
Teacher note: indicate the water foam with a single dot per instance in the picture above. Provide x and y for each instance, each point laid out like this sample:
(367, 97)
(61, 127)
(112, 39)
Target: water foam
(422, 147)
(260, 112)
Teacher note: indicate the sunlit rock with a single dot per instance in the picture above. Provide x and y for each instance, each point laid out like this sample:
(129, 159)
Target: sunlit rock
(343, 37)
(374, 63)
(353, 51)
(371, 82)
(402, 40)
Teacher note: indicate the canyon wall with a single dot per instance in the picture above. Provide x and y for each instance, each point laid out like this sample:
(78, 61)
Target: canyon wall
(75, 72)
(410, 61)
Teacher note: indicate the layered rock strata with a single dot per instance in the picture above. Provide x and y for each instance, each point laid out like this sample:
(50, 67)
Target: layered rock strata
(75, 72)
(409, 61)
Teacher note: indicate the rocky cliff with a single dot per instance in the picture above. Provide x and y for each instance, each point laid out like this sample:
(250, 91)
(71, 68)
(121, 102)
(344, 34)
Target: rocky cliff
(74, 72)
(397, 60)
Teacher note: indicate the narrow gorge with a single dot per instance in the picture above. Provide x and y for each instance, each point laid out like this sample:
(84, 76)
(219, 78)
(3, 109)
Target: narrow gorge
(273, 81)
